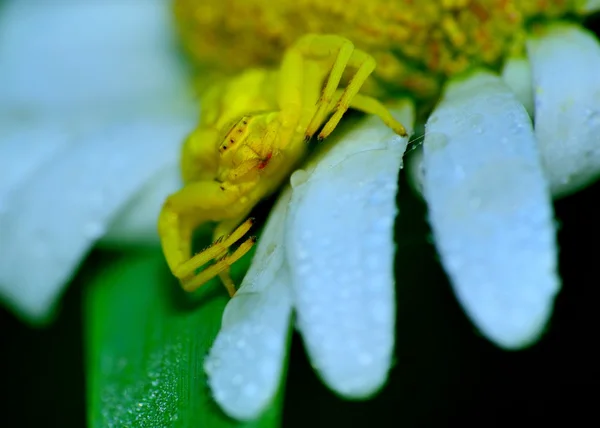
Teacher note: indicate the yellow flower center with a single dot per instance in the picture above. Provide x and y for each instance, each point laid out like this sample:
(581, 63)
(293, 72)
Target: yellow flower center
(417, 43)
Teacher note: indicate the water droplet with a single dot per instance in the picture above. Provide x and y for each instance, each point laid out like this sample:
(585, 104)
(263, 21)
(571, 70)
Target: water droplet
(257, 329)
(475, 202)
(592, 116)
(267, 368)
(219, 394)
(270, 248)
(435, 141)
(303, 269)
(250, 390)
(365, 359)
(566, 179)
(93, 230)
(454, 263)
(272, 343)
(302, 254)
(237, 380)
(40, 248)
(476, 120)
(298, 178)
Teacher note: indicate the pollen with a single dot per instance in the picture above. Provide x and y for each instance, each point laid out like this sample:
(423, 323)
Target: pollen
(417, 44)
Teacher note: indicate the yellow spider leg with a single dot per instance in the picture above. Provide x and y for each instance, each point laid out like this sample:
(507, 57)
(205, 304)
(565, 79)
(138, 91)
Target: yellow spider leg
(372, 106)
(289, 94)
(180, 215)
(194, 282)
(344, 49)
(365, 64)
(295, 97)
(216, 250)
(244, 168)
(222, 229)
(227, 282)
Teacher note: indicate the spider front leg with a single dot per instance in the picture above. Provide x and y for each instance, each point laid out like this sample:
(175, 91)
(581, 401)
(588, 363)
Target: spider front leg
(342, 54)
(194, 204)
(370, 105)
(304, 67)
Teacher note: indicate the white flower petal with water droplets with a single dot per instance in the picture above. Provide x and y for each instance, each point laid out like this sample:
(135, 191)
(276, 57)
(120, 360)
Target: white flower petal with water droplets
(340, 246)
(490, 209)
(245, 364)
(94, 103)
(517, 75)
(565, 61)
(49, 223)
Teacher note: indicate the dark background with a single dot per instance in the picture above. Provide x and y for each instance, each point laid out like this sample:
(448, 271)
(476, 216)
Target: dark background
(445, 373)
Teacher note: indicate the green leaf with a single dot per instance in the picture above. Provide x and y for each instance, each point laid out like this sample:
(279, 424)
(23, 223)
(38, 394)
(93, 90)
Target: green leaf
(146, 342)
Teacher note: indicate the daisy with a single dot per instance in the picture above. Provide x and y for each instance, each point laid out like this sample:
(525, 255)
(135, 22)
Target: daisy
(326, 253)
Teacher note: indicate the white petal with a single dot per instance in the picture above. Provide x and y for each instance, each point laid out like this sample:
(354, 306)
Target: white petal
(64, 57)
(25, 149)
(50, 221)
(83, 83)
(490, 209)
(246, 361)
(135, 224)
(517, 75)
(340, 248)
(591, 6)
(566, 73)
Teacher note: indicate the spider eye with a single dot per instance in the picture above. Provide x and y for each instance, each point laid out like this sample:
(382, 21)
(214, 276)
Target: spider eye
(236, 132)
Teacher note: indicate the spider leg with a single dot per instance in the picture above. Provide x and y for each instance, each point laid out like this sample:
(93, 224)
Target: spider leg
(222, 265)
(223, 229)
(305, 65)
(217, 250)
(327, 45)
(290, 94)
(365, 64)
(370, 105)
(196, 203)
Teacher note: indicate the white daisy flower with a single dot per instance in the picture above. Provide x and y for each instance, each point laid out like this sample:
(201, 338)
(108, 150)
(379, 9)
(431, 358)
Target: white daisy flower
(93, 112)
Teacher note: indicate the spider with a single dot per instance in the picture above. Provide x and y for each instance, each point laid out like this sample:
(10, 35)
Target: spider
(252, 133)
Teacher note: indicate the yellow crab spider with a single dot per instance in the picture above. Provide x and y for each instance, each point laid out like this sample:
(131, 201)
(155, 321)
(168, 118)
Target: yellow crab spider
(251, 135)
